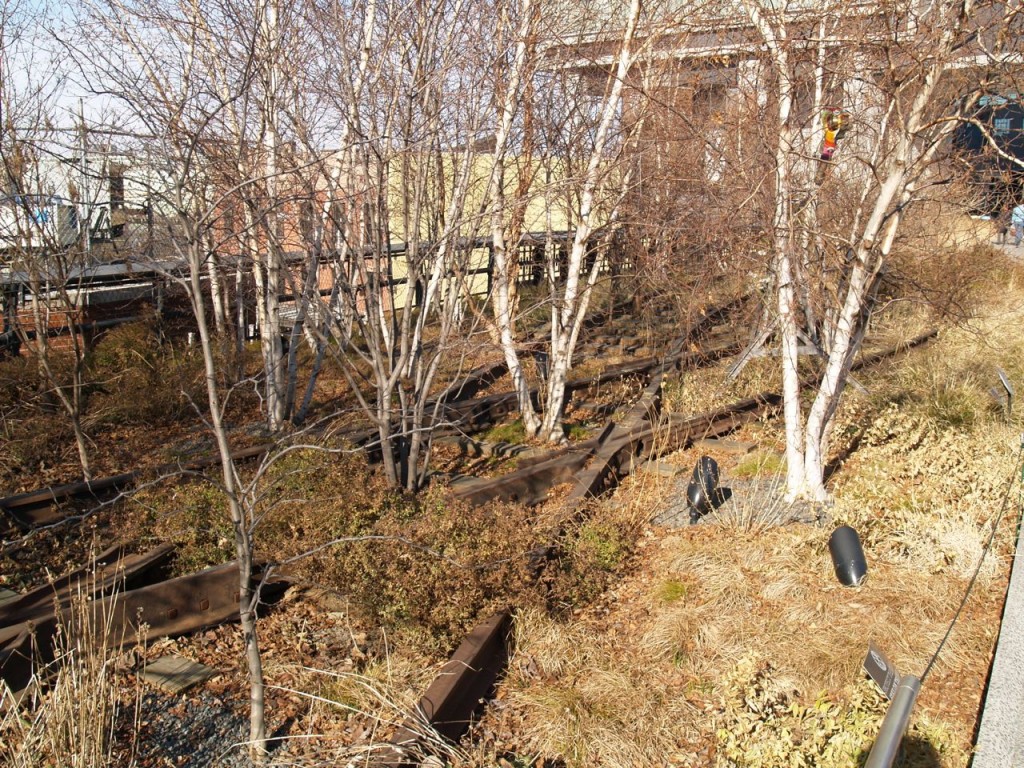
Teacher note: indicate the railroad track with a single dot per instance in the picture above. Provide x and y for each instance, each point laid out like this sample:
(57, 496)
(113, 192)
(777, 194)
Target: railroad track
(25, 511)
(188, 603)
(448, 706)
(130, 588)
(460, 412)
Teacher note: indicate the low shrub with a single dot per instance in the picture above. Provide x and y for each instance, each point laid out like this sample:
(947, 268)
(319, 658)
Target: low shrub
(190, 514)
(512, 432)
(138, 380)
(764, 723)
(432, 566)
(592, 549)
(760, 464)
(673, 590)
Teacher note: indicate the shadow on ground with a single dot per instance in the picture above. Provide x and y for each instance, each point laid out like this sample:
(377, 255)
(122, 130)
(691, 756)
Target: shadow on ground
(915, 752)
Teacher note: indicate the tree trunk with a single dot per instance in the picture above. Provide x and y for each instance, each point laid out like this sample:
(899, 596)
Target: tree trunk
(892, 183)
(217, 298)
(70, 402)
(239, 521)
(502, 288)
(566, 316)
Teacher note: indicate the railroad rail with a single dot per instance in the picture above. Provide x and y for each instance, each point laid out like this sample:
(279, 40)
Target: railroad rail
(26, 511)
(122, 587)
(459, 413)
(187, 603)
(125, 592)
(622, 446)
(616, 452)
(447, 707)
(29, 510)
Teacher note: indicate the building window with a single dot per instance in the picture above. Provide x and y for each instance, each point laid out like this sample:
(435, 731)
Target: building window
(1002, 124)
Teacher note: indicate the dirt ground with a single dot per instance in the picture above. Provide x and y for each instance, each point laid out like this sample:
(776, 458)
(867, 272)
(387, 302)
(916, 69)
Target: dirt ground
(725, 643)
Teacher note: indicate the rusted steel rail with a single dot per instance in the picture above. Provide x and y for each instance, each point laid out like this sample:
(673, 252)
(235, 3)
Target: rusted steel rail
(25, 510)
(35, 508)
(474, 381)
(29, 510)
(629, 447)
(618, 448)
(110, 570)
(120, 606)
(484, 375)
(482, 413)
(617, 451)
(459, 410)
(447, 708)
(607, 464)
(28, 625)
(462, 416)
(531, 485)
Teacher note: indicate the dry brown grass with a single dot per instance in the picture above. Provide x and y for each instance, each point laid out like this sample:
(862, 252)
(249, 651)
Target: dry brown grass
(73, 708)
(585, 700)
(732, 643)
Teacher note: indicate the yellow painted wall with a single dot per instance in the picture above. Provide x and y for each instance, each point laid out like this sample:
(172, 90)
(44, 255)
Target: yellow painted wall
(473, 220)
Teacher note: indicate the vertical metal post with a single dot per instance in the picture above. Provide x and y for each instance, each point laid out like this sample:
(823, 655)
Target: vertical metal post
(887, 744)
(149, 230)
(1010, 392)
(85, 217)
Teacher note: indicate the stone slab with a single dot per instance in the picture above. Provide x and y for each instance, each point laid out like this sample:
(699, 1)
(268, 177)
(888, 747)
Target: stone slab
(175, 674)
(660, 469)
(1000, 735)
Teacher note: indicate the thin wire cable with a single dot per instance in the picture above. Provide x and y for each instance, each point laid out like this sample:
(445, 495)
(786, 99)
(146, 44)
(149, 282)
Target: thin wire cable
(1018, 469)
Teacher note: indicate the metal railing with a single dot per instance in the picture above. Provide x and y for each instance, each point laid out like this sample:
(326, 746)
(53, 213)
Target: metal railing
(887, 745)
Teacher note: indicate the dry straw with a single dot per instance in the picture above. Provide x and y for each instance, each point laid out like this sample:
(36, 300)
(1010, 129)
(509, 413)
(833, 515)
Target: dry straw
(73, 709)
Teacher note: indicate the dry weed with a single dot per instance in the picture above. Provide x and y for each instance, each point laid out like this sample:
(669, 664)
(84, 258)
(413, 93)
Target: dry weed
(739, 627)
(585, 700)
(367, 707)
(74, 708)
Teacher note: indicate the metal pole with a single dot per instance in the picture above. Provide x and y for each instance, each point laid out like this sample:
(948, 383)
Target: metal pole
(895, 724)
(85, 215)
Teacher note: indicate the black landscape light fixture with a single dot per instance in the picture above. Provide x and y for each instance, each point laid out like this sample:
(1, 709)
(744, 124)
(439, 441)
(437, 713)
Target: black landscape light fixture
(848, 556)
(702, 494)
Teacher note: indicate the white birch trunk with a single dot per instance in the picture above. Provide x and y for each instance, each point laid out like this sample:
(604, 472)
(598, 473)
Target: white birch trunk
(873, 244)
(502, 298)
(217, 293)
(774, 37)
(574, 302)
(273, 357)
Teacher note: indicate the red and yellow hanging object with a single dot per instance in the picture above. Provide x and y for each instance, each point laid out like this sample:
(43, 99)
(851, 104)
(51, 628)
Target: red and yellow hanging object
(834, 121)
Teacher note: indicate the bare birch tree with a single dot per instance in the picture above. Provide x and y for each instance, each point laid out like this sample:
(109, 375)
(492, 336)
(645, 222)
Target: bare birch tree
(43, 232)
(898, 67)
(571, 297)
(513, 73)
(407, 84)
(156, 62)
